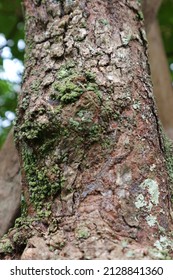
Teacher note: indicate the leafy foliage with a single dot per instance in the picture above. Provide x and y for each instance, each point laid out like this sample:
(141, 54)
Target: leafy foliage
(11, 21)
(8, 102)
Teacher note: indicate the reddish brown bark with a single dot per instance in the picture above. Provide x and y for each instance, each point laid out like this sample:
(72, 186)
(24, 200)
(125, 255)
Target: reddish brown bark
(88, 135)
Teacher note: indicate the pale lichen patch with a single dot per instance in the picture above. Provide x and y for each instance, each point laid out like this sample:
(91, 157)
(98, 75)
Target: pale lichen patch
(151, 186)
(140, 201)
(163, 243)
(151, 220)
(153, 189)
(126, 34)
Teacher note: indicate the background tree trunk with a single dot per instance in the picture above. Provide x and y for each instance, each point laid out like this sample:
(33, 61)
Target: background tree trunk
(150, 9)
(161, 79)
(10, 188)
(93, 170)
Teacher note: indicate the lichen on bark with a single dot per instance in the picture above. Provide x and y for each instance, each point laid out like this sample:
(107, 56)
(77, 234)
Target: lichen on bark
(87, 132)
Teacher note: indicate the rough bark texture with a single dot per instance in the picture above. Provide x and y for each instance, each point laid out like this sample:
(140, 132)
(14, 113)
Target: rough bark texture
(162, 92)
(93, 171)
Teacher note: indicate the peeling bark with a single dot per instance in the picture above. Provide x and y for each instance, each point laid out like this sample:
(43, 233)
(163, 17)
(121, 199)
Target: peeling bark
(93, 169)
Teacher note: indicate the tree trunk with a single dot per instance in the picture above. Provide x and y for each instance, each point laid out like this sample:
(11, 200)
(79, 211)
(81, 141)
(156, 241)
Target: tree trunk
(150, 9)
(161, 78)
(93, 169)
(10, 188)
(162, 85)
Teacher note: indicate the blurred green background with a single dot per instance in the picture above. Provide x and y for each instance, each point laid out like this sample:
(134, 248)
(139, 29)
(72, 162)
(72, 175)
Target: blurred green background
(12, 54)
(165, 18)
(11, 61)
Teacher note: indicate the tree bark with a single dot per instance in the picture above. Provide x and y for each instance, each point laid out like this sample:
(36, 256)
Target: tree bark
(150, 9)
(161, 78)
(162, 85)
(93, 169)
(10, 188)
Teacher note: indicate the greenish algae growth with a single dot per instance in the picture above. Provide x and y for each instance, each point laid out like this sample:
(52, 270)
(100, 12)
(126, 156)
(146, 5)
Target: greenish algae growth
(70, 84)
(82, 233)
(23, 206)
(104, 21)
(20, 233)
(25, 101)
(86, 129)
(40, 184)
(34, 130)
(140, 15)
(6, 247)
(79, 119)
(126, 39)
(19, 239)
(35, 86)
(168, 149)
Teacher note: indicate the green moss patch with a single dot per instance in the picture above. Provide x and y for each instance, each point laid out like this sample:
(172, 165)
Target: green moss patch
(71, 84)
